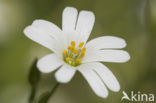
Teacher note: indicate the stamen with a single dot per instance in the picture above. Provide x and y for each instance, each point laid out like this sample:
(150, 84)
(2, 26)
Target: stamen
(75, 51)
(68, 59)
(73, 55)
(83, 50)
(73, 43)
(82, 54)
(81, 44)
(69, 47)
(65, 52)
(78, 61)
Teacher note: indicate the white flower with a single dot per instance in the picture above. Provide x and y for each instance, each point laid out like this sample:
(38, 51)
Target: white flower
(72, 52)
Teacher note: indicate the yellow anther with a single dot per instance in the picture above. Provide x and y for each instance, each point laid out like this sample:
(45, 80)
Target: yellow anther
(65, 52)
(68, 59)
(82, 54)
(81, 44)
(69, 47)
(73, 43)
(83, 50)
(75, 51)
(73, 55)
(78, 61)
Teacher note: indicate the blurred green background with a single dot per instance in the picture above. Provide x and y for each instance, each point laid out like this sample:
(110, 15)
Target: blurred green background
(133, 20)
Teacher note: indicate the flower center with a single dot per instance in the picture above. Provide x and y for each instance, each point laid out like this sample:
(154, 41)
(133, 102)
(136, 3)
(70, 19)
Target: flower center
(73, 55)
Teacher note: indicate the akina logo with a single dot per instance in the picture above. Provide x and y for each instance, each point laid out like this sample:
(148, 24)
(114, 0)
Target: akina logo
(140, 97)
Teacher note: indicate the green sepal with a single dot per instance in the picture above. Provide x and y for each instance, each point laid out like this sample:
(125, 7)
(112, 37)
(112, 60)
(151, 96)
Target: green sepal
(34, 74)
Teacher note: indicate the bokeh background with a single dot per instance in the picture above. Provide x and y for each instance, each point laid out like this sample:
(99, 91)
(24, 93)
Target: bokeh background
(133, 20)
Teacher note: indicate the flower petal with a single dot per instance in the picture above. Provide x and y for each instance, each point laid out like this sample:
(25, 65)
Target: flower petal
(40, 37)
(65, 73)
(117, 56)
(69, 19)
(106, 42)
(85, 24)
(106, 75)
(93, 79)
(49, 63)
(48, 28)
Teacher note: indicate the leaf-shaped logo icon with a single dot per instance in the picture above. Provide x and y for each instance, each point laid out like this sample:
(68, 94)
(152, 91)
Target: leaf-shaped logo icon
(125, 96)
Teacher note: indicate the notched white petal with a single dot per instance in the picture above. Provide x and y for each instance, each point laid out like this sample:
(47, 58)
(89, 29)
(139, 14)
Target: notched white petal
(48, 28)
(49, 63)
(69, 18)
(65, 73)
(45, 33)
(106, 75)
(85, 24)
(39, 37)
(117, 56)
(106, 42)
(93, 80)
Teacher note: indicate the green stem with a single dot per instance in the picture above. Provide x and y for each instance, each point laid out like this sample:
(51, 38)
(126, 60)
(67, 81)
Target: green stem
(32, 94)
(47, 96)
(54, 89)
